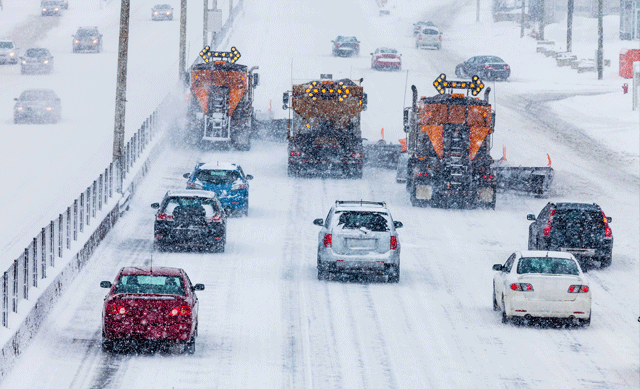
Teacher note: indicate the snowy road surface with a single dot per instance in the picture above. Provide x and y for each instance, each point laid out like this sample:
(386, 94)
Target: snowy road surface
(266, 321)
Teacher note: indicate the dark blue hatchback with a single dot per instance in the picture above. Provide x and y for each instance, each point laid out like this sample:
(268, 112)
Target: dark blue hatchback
(227, 180)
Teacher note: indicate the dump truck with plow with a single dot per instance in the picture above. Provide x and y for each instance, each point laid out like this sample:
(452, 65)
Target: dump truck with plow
(221, 100)
(449, 139)
(324, 134)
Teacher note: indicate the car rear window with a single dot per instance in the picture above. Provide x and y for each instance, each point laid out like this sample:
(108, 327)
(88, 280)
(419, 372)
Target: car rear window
(209, 206)
(151, 284)
(36, 53)
(86, 32)
(547, 265)
(373, 221)
(217, 177)
(34, 95)
(430, 31)
(577, 220)
(6, 45)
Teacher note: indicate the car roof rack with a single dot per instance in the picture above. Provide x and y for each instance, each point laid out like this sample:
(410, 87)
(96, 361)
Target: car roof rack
(360, 202)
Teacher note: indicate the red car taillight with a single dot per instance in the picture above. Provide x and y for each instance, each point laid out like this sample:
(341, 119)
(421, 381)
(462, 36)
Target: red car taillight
(393, 243)
(420, 37)
(191, 185)
(487, 176)
(607, 230)
(578, 289)
(488, 67)
(184, 310)
(214, 219)
(114, 309)
(522, 287)
(327, 240)
(239, 186)
(164, 216)
(295, 153)
(422, 174)
(547, 228)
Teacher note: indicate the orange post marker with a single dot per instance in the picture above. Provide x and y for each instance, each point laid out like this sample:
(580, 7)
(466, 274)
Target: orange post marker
(549, 159)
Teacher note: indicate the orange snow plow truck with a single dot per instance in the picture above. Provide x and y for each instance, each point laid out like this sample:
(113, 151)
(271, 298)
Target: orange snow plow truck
(449, 139)
(221, 100)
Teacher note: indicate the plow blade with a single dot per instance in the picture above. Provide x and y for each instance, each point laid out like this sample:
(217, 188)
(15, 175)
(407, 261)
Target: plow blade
(383, 155)
(533, 180)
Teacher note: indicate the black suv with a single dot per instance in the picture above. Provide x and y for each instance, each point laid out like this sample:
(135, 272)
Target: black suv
(190, 219)
(87, 39)
(578, 228)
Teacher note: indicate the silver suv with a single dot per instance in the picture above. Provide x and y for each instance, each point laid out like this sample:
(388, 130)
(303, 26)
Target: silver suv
(359, 237)
(8, 52)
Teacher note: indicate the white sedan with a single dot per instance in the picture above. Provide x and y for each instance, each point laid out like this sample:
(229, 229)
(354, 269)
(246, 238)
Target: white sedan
(542, 284)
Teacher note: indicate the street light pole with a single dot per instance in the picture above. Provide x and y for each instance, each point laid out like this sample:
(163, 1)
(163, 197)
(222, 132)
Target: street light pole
(569, 24)
(205, 22)
(183, 38)
(599, 54)
(121, 91)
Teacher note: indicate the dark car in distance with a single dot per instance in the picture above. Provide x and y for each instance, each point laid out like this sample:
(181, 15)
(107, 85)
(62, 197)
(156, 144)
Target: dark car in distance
(191, 219)
(151, 305)
(37, 106)
(581, 229)
(487, 67)
(87, 39)
(51, 8)
(345, 46)
(36, 60)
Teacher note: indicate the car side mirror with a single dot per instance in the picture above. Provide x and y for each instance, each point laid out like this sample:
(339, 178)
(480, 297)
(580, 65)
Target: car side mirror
(256, 79)
(609, 219)
(319, 222)
(531, 217)
(105, 284)
(497, 267)
(249, 177)
(397, 224)
(198, 287)
(370, 53)
(15, 98)
(155, 205)
(186, 175)
(333, 41)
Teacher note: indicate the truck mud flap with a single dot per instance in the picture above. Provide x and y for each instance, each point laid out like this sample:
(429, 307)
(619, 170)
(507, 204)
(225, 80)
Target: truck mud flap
(424, 192)
(383, 155)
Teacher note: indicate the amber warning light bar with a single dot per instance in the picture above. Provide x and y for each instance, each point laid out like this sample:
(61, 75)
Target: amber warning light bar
(230, 56)
(441, 84)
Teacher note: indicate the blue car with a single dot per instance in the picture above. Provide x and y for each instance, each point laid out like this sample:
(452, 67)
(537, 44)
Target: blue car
(227, 180)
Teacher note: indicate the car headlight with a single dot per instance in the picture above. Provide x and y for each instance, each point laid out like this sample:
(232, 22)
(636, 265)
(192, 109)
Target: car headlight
(24, 62)
(155, 13)
(95, 41)
(168, 13)
(12, 54)
(48, 108)
(19, 109)
(44, 10)
(46, 62)
(77, 41)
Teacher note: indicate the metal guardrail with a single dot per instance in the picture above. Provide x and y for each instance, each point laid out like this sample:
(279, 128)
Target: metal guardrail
(56, 237)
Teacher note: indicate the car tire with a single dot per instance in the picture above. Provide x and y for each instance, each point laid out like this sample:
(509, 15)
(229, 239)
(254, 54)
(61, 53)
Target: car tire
(438, 47)
(606, 260)
(106, 345)
(586, 322)
(495, 302)
(245, 212)
(394, 274)
(505, 319)
(219, 248)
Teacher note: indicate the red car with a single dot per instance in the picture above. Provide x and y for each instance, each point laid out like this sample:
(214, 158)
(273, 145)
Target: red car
(386, 58)
(157, 305)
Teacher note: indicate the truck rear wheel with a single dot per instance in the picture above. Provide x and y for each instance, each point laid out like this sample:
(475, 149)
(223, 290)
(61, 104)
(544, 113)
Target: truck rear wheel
(292, 170)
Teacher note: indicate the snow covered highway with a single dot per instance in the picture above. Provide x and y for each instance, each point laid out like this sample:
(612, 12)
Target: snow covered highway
(265, 319)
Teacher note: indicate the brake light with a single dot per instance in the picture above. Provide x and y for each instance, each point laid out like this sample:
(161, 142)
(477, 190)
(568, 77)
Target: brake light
(507, 67)
(239, 186)
(394, 242)
(327, 240)
(338, 45)
(522, 287)
(420, 37)
(295, 153)
(357, 45)
(422, 174)
(547, 228)
(578, 289)
(184, 310)
(607, 230)
(164, 216)
(487, 176)
(191, 185)
(439, 37)
(114, 309)
(488, 67)
(214, 219)
(356, 155)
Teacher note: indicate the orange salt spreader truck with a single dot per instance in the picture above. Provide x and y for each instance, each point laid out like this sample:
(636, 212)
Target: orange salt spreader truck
(221, 100)
(449, 139)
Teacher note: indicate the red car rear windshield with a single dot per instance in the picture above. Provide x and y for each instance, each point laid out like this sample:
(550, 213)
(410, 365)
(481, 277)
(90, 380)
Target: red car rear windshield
(150, 284)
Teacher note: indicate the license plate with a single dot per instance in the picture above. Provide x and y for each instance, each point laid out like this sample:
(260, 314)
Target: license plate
(424, 192)
(361, 244)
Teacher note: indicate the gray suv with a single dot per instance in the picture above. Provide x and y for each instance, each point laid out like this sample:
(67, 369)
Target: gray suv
(87, 39)
(359, 237)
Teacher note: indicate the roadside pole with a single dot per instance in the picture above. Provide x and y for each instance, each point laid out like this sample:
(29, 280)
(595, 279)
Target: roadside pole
(183, 38)
(599, 52)
(121, 92)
